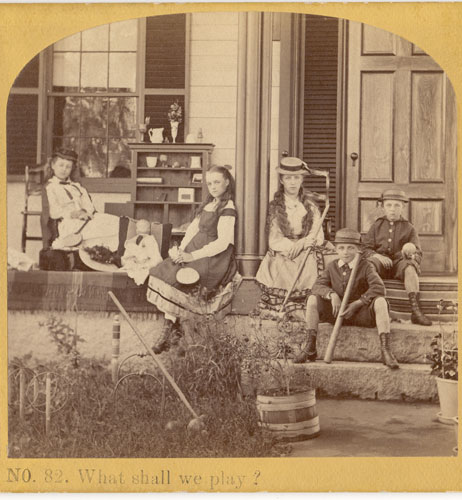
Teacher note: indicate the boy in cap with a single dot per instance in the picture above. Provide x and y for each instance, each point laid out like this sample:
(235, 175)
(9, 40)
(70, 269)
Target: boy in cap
(366, 305)
(393, 246)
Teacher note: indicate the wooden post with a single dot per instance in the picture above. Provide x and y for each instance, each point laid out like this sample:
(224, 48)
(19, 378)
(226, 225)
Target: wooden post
(115, 347)
(252, 137)
(22, 392)
(47, 404)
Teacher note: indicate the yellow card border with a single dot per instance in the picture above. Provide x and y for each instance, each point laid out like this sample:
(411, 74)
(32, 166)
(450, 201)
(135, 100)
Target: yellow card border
(26, 29)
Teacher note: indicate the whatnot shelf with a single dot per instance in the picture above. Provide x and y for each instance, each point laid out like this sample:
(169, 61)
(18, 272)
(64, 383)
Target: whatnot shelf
(178, 184)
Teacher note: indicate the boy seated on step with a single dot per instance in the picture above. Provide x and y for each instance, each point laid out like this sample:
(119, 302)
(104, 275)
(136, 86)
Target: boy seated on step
(393, 246)
(366, 307)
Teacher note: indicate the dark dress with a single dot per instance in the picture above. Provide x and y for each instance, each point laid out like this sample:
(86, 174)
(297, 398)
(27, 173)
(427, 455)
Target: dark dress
(215, 272)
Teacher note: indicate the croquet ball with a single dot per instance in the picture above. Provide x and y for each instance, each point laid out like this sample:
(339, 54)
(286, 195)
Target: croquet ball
(173, 425)
(196, 425)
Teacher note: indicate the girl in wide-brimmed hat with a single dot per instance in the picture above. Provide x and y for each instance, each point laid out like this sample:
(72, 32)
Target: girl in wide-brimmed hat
(292, 219)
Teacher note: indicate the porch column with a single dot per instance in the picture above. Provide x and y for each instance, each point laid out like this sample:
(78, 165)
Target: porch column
(253, 137)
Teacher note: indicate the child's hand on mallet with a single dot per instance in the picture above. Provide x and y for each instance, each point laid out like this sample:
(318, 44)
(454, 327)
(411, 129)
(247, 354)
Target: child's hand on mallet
(308, 242)
(409, 250)
(351, 309)
(296, 249)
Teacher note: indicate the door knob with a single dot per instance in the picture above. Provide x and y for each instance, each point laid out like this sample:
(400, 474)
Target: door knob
(354, 157)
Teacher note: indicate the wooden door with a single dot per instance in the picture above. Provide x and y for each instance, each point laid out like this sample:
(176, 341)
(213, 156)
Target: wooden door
(401, 123)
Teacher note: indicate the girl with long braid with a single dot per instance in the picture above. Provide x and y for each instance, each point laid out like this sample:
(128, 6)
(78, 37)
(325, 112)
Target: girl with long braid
(292, 220)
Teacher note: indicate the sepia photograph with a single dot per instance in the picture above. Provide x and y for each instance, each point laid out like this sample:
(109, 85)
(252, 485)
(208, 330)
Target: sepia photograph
(231, 234)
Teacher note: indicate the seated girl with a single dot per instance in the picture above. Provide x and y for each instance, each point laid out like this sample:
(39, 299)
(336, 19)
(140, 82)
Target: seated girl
(207, 248)
(71, 205)
(293, 218)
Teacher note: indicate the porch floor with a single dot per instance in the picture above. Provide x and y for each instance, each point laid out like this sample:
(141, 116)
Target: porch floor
(358, 428)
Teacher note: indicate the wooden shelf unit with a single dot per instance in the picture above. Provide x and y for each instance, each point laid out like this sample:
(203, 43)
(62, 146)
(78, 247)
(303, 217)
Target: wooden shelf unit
(160, 201)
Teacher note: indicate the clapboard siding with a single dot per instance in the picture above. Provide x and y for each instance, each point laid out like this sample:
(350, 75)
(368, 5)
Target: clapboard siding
(165, 51)
(320, 102)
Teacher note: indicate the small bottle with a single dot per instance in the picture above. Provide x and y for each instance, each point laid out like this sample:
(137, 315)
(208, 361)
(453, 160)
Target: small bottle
(200, 137)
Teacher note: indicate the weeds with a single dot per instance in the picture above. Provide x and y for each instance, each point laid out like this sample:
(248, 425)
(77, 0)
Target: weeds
(132, 423)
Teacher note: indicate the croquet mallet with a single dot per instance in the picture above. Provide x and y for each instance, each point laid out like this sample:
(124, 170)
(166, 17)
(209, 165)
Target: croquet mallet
(157, 360)
(338, 322)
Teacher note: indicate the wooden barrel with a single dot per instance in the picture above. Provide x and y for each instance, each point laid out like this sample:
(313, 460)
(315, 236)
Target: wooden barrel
(292, 418)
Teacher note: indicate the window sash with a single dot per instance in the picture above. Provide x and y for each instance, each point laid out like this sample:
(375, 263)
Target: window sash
(116, 185)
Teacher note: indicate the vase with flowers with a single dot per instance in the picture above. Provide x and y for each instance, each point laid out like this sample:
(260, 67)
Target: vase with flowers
(444, 364)
(175, 117)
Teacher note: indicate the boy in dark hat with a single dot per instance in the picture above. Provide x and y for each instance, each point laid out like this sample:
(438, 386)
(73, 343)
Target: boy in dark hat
(366, 305)
(393, 246)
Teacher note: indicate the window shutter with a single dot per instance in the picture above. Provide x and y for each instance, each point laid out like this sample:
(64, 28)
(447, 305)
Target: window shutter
(22, 120)
(29, 76)
(320, 103)
(165, 52)
(21, 141)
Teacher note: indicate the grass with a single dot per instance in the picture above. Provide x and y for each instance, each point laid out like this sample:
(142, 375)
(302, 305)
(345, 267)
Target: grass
(96, 422)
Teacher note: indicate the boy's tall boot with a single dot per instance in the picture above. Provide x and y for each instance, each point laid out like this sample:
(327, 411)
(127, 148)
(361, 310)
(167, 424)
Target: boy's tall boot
(308, 353)
(417, 316)
(387, 356)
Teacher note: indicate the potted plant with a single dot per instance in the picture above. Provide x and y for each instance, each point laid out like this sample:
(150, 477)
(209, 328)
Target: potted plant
(444, 364)
(285, 408)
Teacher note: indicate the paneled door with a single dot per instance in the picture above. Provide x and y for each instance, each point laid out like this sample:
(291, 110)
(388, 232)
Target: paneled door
(401, 132)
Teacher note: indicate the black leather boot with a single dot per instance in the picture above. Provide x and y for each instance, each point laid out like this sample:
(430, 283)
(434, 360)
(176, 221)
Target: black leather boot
(308, 353)
(387, 356)
(417, 316)
(177, 333)
(164, 341)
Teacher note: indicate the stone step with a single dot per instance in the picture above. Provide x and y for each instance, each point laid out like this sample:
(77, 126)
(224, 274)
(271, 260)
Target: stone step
(354, 379)
(433, 290)
(409, 343)
(348, 380)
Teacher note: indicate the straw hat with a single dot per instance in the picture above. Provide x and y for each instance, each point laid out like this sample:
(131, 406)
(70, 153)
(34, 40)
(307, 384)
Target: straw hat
(109, 242)
(66, 154)
(347, 235)
(394, 194)
(187, 276)
(290, 165)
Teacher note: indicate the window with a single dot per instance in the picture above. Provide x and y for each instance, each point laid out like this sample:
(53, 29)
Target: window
(89, 92)
(93, 96)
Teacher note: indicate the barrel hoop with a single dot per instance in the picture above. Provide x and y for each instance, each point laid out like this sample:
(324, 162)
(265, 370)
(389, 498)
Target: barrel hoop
(293, 398)
(279, 406)
(297, 426)
(285, 416)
